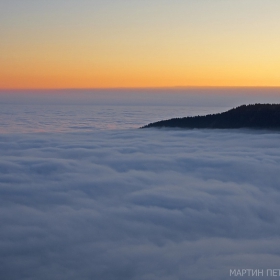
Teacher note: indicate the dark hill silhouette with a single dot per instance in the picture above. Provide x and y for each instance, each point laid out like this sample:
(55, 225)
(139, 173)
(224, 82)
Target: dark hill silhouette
(262, 116)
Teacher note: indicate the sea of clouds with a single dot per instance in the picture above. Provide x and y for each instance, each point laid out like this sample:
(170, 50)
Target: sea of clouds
(149, 204)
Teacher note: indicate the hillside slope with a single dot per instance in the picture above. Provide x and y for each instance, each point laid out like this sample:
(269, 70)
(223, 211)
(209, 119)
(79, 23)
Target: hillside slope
(264, 116)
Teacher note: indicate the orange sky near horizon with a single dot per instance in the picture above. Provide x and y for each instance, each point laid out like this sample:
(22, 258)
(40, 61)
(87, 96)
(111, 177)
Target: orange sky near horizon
(64, 44)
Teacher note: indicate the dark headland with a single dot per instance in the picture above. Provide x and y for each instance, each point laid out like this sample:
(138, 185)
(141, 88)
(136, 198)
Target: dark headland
(257, 116)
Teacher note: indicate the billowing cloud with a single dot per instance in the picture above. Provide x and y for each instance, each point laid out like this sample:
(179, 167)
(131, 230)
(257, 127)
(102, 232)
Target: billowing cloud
(139, 204)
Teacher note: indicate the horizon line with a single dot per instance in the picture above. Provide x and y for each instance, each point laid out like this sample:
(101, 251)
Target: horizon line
(140, 88)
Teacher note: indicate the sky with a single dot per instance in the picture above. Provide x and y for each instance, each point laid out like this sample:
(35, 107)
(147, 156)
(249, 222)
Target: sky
(139, 204)
(148, 43)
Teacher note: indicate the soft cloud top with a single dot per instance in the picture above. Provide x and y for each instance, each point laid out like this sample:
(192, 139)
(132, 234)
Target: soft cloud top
(138, 204)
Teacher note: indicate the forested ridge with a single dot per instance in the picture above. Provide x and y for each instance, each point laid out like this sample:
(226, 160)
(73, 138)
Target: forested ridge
(263, 116)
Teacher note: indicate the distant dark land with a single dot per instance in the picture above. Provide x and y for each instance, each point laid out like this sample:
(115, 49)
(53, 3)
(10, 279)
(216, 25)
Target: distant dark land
(257, 116)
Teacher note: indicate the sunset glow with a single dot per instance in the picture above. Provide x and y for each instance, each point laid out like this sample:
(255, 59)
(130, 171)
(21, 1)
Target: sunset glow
(109, 44)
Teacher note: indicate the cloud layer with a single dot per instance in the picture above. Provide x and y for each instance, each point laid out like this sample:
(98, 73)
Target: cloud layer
(138, 204)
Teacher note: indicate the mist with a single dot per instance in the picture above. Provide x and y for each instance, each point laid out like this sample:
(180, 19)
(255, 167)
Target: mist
(138, 204)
